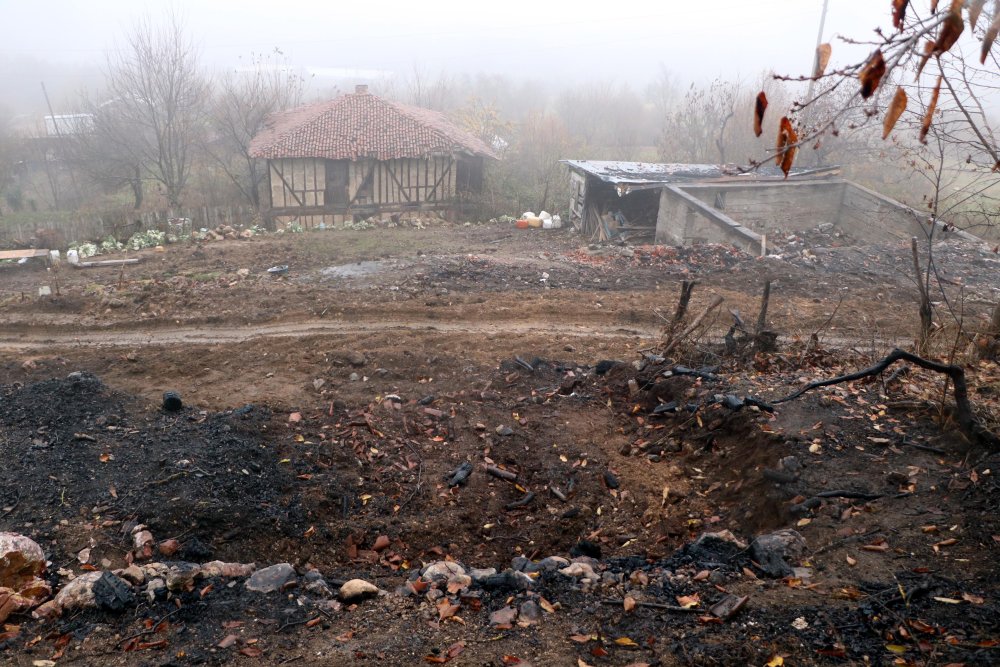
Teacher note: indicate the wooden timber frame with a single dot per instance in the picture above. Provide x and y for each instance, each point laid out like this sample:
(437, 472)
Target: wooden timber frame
(314, 191)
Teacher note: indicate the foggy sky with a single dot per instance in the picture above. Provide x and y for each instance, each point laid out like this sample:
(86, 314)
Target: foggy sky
(559, 42)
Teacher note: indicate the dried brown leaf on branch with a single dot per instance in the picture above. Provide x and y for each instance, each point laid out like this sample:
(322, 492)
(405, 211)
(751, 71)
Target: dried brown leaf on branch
(871, 74)
(929, 116)
(823, 53)
(899, 13)
(991, 34)
(951, 28)
(975, 9)
(928, 52)
(759, 107)
(895, 110)
(786, 148)
(934, 4)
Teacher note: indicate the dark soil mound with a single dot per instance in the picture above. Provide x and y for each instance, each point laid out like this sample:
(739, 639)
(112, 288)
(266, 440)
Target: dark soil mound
(75, 449)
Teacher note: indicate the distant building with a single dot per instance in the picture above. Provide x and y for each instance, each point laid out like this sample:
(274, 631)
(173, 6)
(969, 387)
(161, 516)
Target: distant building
(68, 124)
(685, 204)
(359, 156)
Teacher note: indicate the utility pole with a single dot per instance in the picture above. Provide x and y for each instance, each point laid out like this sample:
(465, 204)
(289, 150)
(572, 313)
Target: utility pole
(812, 81)
(61, 146)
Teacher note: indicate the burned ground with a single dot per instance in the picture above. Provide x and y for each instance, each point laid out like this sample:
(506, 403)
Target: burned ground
(324, 412)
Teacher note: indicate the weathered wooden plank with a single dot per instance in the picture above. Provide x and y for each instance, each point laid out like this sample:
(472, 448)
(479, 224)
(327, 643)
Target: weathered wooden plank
(21, 254)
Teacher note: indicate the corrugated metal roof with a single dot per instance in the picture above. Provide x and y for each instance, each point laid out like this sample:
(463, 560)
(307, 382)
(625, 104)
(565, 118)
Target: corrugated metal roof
(625, 175)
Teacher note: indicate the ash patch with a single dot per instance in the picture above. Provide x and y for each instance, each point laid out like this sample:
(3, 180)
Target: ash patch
(76, 449)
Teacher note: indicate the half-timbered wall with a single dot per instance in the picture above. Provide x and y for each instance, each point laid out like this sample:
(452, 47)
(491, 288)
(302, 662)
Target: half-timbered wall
(311, 192)
(401, 182)
(297, 182)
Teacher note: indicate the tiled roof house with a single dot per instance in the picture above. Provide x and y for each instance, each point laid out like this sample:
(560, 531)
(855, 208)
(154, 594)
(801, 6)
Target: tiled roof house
(360, 155)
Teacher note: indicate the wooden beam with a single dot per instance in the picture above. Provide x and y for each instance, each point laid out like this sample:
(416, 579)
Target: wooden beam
(399, 184)
(22, 254)
(288, 187)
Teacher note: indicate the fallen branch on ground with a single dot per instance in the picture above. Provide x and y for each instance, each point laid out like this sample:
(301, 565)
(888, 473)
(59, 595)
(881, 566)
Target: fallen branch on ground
(689, 329)
(967, 421)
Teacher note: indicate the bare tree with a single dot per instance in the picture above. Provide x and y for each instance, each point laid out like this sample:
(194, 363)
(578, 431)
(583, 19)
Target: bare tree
(8, 158)
(708, 125)
(245, 98)
(156, 108)
(936, 113)
(931, 42)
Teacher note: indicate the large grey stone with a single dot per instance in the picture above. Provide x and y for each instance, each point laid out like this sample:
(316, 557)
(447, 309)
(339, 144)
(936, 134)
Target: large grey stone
(774, 551)
(271, 579)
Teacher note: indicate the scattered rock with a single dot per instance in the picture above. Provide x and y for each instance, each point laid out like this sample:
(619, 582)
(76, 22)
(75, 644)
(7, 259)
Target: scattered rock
(217, 568)
(316, 584)
(529, 613)
(356, 359)
(156, 589)
(132, 574)
(442, 569)
(508, 580)
(95, 589)
(356, 590)
(478, 574)
(271, 579)
(503, 618)
(143, 542)
(169, 547)
(48, 611)
(579, 571)
(181, 576)
(773, 551)
(21, 560)
(714, 549)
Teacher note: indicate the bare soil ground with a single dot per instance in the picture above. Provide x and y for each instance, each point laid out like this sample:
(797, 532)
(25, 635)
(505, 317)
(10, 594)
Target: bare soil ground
(329, 407)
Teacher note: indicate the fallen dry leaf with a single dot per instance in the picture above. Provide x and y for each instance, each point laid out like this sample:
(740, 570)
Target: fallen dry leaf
(625, 641)
(974, 599)
(629, 603)
(688, 601)
(851, 561)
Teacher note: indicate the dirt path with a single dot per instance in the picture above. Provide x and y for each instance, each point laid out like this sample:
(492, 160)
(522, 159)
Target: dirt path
(27, 338)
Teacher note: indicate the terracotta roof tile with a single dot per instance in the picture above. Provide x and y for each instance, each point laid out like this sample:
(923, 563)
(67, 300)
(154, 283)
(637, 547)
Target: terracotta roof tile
(362, 125)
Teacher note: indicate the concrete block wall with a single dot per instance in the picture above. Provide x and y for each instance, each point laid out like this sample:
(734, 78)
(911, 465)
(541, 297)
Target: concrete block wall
(747, 211)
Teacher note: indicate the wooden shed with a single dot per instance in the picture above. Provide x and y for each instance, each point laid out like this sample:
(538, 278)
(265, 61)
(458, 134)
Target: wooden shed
(359, 156)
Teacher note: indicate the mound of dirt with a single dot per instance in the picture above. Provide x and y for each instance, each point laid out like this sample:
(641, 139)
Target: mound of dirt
(73, 448)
